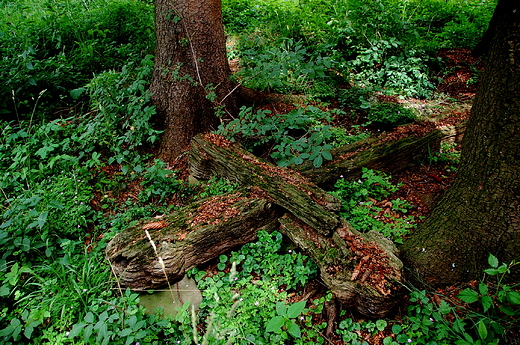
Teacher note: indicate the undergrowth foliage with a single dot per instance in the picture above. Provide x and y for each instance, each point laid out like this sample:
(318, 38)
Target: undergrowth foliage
(75, 132)
(298, 136)
(359, 208)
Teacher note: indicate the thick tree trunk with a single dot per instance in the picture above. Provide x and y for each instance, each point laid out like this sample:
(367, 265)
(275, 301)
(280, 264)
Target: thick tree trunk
(480, 213)
(190, 63)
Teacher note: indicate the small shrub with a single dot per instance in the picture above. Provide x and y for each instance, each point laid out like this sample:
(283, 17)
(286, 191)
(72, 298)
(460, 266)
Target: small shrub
(390, 115)
(297, 136)
(358, 205)
(286, 68)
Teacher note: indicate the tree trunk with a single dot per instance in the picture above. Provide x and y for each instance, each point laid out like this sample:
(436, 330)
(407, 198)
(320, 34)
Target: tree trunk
(480, 213)
(190, 64)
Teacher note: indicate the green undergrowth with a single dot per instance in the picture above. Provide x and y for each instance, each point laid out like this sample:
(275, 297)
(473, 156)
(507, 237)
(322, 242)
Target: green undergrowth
(76, 132)
(56, 47)
(300, 135)
(386, 45)
(362, 201)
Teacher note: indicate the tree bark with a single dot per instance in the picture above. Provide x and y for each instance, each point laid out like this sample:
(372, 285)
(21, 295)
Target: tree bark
(190, 64)
(362, 270)
(382, 153)
(214, 155)
(187, 238)
(480, 213)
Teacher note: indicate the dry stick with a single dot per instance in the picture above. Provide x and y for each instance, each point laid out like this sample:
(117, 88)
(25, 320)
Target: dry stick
(161, 262)
(117, 280)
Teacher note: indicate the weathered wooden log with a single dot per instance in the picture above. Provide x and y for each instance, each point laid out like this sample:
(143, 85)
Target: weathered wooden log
(213, 155)
(383, 153)
(187, 238)
(361, 270)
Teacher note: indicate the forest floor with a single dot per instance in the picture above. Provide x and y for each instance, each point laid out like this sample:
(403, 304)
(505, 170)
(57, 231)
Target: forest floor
(422, 186)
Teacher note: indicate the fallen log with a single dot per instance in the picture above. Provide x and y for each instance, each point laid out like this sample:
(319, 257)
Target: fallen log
(383, 153)
(362, 270)
(187, 238)
(214, 155)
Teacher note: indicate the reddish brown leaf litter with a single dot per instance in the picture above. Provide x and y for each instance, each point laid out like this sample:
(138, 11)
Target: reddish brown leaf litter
(217, 209)
(373, 267)
(155, 225)
(217, 139)
(461, 80)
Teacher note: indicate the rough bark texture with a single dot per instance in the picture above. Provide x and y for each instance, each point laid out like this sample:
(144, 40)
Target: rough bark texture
(361, 270)
(480, 213)
(214, 155)
(380, 154)
(187, 238)
(190, 60)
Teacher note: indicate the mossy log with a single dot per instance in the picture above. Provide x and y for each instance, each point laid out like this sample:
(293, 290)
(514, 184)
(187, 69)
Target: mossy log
(362, 270)
(187, 238)
(214, 155)
(383, 153)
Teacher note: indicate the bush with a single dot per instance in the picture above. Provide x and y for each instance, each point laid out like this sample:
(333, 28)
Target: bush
(390, 115)
(57, 47)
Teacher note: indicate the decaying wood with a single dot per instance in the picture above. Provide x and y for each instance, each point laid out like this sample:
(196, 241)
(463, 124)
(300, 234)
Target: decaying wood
(187, 238)
(213, 155)
(372, 291)
(362, 270)
(382, 154)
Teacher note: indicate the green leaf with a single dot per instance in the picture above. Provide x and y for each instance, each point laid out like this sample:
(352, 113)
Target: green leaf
(468, 296)
(4, 290)
(294, 330)
(487, 302)
(89, 317)
(381, 325)
(125, 332)
(42, 219)
(327, 155)
(482, 330)
(76, 93)
(514, 297)
(55, 204)
(396, 329)
(281, 310)
(506, 310)
(493, 261)
(444, 307)
(318, 161)
(88, 332)
(296, 309)
(76, 329)
(483, 288)
(275, 324)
